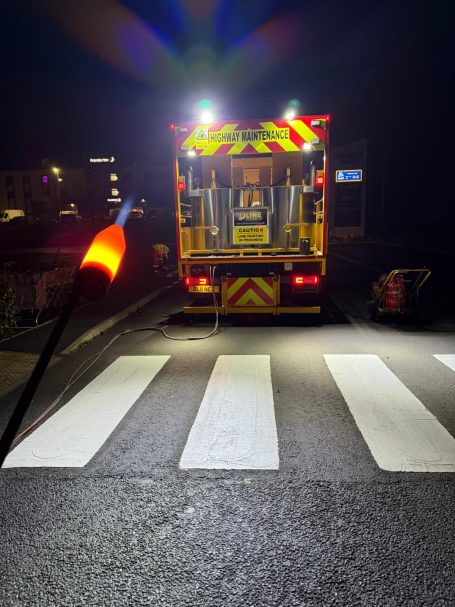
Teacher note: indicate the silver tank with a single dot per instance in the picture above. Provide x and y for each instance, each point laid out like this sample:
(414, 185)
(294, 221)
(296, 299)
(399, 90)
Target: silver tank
(210, 213)
(283, 202)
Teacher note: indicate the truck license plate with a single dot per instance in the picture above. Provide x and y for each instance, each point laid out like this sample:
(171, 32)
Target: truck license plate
(203, 289)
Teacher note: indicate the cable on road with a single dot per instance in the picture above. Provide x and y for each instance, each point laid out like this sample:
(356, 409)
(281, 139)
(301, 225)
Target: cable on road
(89, 362)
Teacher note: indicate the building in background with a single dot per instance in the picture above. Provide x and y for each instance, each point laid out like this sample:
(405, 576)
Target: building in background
(102, 184)
(348, 170)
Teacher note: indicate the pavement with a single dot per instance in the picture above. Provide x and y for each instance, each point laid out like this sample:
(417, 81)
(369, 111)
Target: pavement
(329, 527)
(135, 286)
(14, 368)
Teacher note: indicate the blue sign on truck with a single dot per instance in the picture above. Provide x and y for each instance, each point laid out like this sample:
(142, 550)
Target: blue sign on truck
(351, 175)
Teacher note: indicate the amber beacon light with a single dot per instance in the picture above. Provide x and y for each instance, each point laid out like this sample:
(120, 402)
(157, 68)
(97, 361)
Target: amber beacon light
(95, 275)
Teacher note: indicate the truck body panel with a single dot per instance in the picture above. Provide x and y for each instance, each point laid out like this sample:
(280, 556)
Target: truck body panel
(251, 210)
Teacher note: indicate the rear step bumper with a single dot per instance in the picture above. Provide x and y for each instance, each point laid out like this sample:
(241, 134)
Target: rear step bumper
(275, 310)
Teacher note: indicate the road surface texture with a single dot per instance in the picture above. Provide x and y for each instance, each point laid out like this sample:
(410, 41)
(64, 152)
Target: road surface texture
(281, 462)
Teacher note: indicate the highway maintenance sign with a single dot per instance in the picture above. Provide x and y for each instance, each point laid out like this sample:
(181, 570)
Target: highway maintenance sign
(251, 137)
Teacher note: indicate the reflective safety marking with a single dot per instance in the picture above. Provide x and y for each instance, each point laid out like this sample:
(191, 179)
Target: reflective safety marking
(72, 436)
(235, 425)
(402, 435)
(447, 359)
(250, 291)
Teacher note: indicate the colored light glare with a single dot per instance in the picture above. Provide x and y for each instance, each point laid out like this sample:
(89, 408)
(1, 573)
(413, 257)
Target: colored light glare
(205, 104)
(106, 251)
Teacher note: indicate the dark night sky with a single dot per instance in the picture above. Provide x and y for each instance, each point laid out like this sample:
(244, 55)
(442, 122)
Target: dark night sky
(84, 77)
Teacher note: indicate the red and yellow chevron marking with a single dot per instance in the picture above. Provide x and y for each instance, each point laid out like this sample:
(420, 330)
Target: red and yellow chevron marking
(250, 292)
(250, 137)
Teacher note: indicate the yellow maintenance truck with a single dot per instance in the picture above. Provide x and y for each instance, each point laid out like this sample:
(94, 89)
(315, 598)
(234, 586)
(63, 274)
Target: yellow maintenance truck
(251, 209)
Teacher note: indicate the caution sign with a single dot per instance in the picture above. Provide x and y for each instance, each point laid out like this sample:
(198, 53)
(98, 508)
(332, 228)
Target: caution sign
(251, 235)
(202, 138)
(250, 226)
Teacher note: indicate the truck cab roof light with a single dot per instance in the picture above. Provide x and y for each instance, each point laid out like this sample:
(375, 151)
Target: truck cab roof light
(290, 114)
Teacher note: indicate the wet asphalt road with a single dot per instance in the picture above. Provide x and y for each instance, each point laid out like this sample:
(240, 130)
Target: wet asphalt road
(328, 528)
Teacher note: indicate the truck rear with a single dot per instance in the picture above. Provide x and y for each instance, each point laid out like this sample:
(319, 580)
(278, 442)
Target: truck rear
(251, 210)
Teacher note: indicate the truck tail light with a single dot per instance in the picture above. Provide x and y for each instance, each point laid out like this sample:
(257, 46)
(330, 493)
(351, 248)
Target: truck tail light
(303, 282)
(196, 281)
(320, 179)
(299, 280)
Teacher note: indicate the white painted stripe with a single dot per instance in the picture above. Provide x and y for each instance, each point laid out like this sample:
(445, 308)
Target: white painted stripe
(72, 436)
(235, 425)
(400, 432)
(447, 359)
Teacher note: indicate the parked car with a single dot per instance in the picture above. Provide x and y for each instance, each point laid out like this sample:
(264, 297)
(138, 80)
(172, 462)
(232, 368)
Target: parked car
(12, 216)
(136, 214)
(68, 217)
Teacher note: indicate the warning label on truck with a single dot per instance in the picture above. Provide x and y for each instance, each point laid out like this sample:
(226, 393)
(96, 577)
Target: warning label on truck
(250, 226)
(202, 138)
(265, 135)
(250, 217)
(251, 235)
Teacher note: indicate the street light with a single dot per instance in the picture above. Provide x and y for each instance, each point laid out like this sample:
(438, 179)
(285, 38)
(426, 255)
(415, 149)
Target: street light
(56, 170)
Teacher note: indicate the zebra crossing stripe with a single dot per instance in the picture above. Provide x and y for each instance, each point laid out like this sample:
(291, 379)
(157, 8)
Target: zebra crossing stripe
(72, 436)
(447, 359)
(400, 432)
(235, 426)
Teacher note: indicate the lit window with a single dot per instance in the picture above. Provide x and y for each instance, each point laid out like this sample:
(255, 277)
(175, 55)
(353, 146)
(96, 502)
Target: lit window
(114, 192)
(114, 177)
